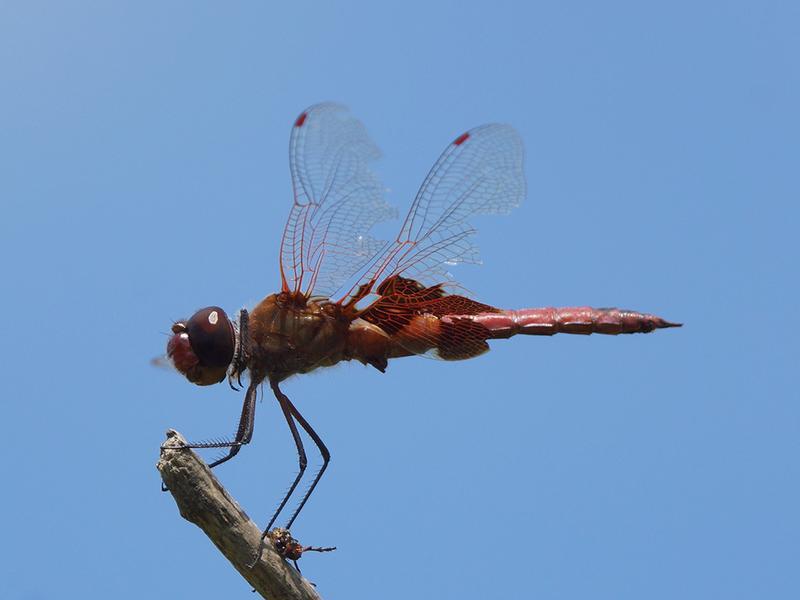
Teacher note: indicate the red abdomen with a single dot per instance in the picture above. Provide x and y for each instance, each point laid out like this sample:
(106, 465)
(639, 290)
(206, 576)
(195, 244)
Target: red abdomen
(574, 319)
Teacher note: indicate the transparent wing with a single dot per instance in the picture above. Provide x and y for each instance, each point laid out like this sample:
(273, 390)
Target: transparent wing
(337, 200)
(480, 172)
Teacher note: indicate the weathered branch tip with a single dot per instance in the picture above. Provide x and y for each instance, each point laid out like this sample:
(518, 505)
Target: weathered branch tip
(202, 500)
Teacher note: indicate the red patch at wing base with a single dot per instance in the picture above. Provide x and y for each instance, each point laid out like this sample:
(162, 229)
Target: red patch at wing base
(421, 318)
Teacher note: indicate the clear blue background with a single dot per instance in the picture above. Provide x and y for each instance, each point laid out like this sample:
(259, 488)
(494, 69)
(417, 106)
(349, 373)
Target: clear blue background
(143, 174)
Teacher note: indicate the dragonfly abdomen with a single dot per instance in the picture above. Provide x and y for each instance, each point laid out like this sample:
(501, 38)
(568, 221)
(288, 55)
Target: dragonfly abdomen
(582, 320)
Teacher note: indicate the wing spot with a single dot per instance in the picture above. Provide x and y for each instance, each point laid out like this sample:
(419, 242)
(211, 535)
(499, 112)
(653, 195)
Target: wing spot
(461, 139)
(301, 119)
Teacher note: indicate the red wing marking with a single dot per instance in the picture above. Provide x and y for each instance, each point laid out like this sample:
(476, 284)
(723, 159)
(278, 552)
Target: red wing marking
(461, 139)
(301, 119)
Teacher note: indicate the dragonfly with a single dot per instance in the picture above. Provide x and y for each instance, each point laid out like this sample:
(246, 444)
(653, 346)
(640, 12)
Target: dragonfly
(347, 296)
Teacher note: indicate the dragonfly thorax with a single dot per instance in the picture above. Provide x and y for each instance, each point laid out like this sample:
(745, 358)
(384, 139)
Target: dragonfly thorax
(290, 334)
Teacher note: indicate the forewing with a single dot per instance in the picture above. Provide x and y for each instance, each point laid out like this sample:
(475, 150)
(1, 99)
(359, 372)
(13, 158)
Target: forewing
(480, 172)
(337, 200)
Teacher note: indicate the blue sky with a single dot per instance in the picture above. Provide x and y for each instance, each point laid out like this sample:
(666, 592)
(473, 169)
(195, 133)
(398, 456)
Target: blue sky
(143, 174)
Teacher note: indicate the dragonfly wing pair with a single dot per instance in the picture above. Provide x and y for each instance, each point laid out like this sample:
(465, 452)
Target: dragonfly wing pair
(328, 250)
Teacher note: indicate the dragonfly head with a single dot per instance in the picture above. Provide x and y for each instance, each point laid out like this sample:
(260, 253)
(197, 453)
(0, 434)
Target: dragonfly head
(202, 346)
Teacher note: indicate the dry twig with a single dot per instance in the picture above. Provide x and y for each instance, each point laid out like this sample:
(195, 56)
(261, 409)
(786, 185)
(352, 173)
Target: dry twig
(203, 501)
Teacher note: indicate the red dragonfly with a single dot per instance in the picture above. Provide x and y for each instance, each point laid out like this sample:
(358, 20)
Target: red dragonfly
(346, 296)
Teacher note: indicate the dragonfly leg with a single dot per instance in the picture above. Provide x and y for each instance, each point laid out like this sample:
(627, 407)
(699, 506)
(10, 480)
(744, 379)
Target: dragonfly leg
(291, 414)
(244, 432)
(286, 407)
(323, 450)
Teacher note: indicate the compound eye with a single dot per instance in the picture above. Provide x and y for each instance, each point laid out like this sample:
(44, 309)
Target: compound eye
(211, 336)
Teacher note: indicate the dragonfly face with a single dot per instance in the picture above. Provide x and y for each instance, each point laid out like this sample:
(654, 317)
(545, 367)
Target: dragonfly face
(202, 346)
